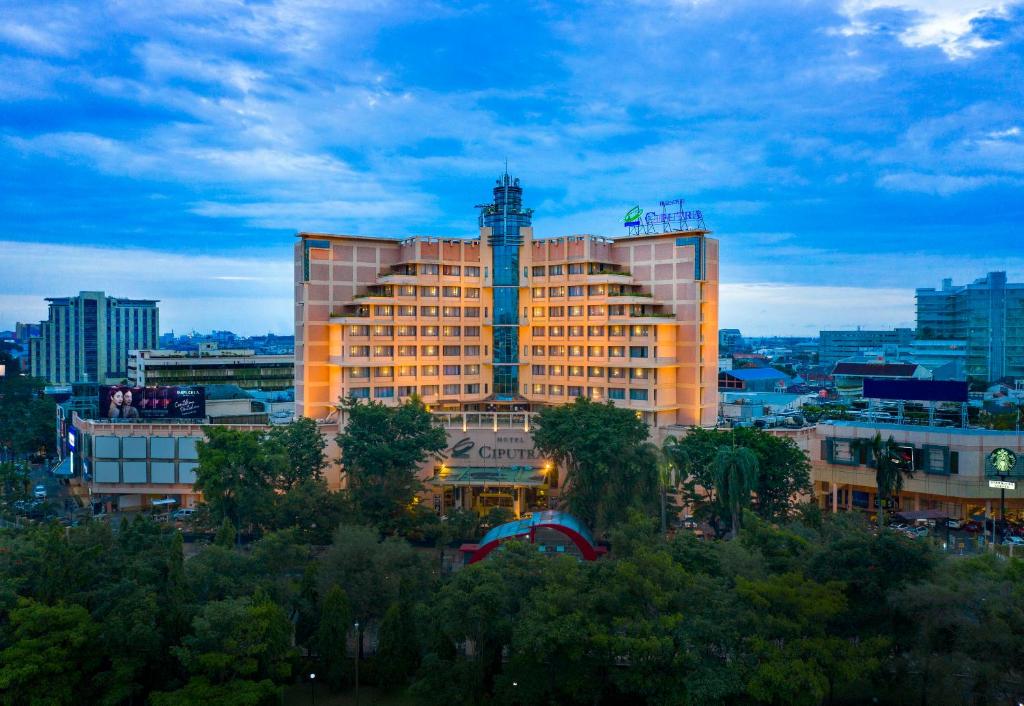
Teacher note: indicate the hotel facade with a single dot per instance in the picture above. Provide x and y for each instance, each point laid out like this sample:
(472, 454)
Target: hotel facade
(487, 330)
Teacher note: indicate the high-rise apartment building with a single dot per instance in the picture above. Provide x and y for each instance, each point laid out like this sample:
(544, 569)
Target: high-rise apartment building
(87, 338)
(987, 316)
(507, 320)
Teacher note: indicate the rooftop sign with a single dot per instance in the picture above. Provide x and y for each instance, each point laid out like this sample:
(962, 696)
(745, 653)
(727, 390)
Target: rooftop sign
(668, 221)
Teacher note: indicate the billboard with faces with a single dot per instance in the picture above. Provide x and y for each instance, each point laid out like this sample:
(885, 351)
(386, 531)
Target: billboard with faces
(139, 403)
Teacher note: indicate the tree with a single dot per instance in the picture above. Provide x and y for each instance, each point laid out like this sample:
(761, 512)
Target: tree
(608, 467)
(50, 655)
(303, 445)
(237, 475)
(26, 414)
(890, 469)
(381, 449)
(226, 534)
(332, 637)
(398, 654)
(735, 473)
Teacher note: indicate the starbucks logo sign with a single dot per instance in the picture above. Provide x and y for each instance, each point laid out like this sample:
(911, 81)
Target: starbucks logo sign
(1003, 461)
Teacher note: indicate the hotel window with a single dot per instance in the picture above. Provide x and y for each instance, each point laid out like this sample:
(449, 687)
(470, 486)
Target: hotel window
(575, 391)
(616, 373)
(595, 310)
(472, 312)
(451, 331)
(428, 371)
(358, 373)
(472, 271)
(639, 373)
(538, 331)
(472, 388)
(538, 292)
(597, 290)
(359, 393)
(472, 292)
(595, 351)
(451, 311)
(407, 351)
(638, 351)
(555, 270)
(594, 393)
(556, 311)
(429, 269)
(538, 370)
(451, 350)
(429, 351)
(428, 331)
(537, 388)
(428, 390)
(538, 350)
(383, 310)
(575, 268)
(538, 270)
(595, 372)
(453, 370)
(473, 369)
(616, 331)
(556, 330)
(576, 331)
(406, 330)
(557, 351)
(575, 371)
(406, 390)
(360, 330)
(407, 310)
(576, 290)
(556, 291)
(383, 351)
(429, 291)
(428, 311)
(556, 370)
(451, 270)
(380, 330)
(575, 351)
(538, 311)
(471, 331)
(359, 351)
(639, 330)
(451, 291)
(595, 330)
(617, 310)
(576, 311)
(451, 388)
(406, 371)
(362, 311)
(639, 395)
(616, 393)
(407, 290)
(617, 351)
(556, 390)
(384, 372)
(471, 350)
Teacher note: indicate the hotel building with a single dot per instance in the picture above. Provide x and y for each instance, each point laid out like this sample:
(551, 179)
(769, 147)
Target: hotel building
(489, 329)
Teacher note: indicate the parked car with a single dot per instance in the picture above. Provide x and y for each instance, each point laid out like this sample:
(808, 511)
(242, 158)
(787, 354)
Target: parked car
(39, 492)
(1014, 541)
(972, 526)
(185, 513)
(916, 532)
(953, 524)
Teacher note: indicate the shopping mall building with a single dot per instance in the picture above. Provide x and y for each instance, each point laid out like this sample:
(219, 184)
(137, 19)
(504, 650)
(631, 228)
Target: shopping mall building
(487, 330)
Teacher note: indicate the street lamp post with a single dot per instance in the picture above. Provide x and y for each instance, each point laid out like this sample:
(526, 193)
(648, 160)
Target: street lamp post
(312, 687)
(359, 645)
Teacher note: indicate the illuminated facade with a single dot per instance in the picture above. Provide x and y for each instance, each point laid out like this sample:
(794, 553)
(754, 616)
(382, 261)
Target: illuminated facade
(505, 323)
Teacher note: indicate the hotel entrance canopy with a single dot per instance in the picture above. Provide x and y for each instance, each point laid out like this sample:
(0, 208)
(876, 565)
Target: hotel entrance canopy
(479, 477)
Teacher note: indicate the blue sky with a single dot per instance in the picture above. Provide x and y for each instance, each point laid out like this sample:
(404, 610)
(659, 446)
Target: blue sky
(844, 153)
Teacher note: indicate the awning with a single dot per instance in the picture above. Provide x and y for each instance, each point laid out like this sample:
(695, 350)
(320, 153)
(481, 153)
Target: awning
(923, 515)
(63, 469)
(165, 501)
(478, 477)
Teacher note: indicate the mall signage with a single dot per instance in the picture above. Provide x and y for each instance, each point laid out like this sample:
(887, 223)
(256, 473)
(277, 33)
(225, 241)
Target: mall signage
(504, 448)
(148, 403)
(1002, 461)
(1004, 484)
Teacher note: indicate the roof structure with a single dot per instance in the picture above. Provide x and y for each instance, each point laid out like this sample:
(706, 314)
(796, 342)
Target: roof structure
(527, 530)
(876, 370)
(473, 476)
(756, 374)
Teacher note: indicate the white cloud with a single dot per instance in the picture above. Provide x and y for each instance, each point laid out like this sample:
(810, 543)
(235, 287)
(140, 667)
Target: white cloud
(937, 184)
(946, 24)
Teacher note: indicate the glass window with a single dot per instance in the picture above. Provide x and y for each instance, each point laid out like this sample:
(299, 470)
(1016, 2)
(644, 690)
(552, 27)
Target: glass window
(556, 311)
(595, 310)
(451, 311)
(471, 331)
(384, 372)
(429, 291)
(472, 292)
(575, 371)
(406, 351)
(471, 350)
(557, 390)
(359, 351)
(538, 350)
(596, 290)
(406, 330)
(537, 388)
(358, 373)
(428, 331)
(576, 311)
(538, 331)
(431, 269)
(451, 350)
(429, 351)
(617, 351)
(451, 270)
(595, 351)
(380, 330)
(575, 351)
(538, 270)
(451, 388)
(575, 391)
(428, 371)
(472, 388)
(575, 268)
(616, 330)
(556, 330)
(382, 310)
(616, 373)
(638, 373)
(556, 291)
(451, 291)
(538, 292)
(428, 390)
(471, 271)
(406, 371)
(472, 312)
(638, 395)
(556, 370)
(595, 371)
(384, 351)
(451, 331)
(538, 370)
(406, 390)
(538, 311)
(617, 310)
(638, 351)
(407, 290)
(407, 310)
(555, 270)
(453, 370)
(639, 330)
(359, 393)
(428, 311)
(556, 350)
(576, 331)
(576, 290)
(359, 330)
(616, 393)
(473, 369)
(595, 330)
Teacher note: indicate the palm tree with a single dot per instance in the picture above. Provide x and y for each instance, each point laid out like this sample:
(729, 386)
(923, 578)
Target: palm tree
(735, 473)
(890, 469)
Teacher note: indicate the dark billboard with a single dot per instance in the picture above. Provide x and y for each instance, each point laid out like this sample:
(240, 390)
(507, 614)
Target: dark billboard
(916, 390)
(177, 402)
